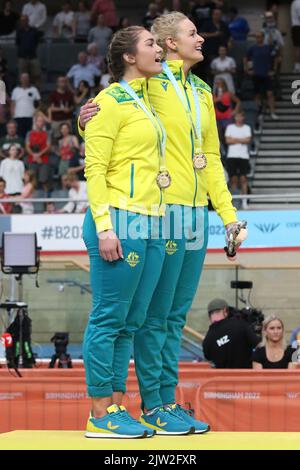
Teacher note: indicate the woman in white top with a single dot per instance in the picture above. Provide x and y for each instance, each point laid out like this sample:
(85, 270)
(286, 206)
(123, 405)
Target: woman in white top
(12, 170)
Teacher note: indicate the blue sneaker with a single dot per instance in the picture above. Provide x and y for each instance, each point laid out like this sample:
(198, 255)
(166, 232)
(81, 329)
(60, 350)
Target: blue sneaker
(200, 427)
(116, 424)
(150, 432)
(165, 422)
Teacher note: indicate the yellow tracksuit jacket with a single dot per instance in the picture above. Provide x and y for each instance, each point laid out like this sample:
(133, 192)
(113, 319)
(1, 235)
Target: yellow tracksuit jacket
(189, 186)
(122, 156)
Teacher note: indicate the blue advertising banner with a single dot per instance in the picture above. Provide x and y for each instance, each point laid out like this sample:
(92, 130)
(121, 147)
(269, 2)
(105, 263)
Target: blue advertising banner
(267, 229)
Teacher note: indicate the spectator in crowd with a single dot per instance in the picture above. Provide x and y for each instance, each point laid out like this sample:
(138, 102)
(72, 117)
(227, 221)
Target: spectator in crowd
(201, 12)
(161, 7)
(294, 337)
(238, 25)
(262, 73)
(223, 100)
(82, 22)
(27, 40)
(12, 170)
(3, 110)
(83, 94)
(295, 19)
(93, 56)
(150, 16)
(50, 208)
(124, 22)
(61, 105)
(29, 188)
(3, 68)
(37, 14)
(229, 342)
(64, 23)
(216, 33)
(5, 207)
(10, 138)
(77, 192)
(24, 100)
(77, 163)
(107, 9)
(105, 77)
(8, 22)
(83, 71)
(238, 138)
(101, 35)
(38, 146)
(273, 353)
(224, 67)
(273, 38)
(62, 192)
(68, 146)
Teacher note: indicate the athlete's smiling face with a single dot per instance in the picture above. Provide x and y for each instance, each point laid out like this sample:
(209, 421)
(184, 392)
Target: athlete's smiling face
(147, 58)
(188, 43)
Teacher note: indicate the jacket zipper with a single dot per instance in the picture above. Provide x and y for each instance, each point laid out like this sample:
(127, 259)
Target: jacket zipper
(192, 140)
(132, 180)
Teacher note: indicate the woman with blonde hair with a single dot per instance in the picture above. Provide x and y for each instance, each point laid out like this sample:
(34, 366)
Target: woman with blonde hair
(185, 106)
(273, 353)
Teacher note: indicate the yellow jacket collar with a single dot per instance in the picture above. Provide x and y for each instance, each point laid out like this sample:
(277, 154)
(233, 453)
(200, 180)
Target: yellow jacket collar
(138, 84)
(175, 65)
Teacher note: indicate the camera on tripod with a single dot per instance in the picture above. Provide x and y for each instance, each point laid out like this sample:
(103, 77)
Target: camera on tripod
(61, 341)
(250, 314)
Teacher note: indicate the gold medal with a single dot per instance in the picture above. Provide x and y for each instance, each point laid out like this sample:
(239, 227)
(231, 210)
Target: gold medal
(163, 179)
(199, 161)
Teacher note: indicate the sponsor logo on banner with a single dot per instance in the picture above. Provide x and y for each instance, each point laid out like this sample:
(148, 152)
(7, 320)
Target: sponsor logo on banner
(267, 228)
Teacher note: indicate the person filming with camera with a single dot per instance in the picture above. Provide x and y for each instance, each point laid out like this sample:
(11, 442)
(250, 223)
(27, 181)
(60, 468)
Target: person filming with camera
(230, 341)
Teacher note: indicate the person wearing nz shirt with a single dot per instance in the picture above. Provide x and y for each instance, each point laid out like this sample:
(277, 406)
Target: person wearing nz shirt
(229, 342)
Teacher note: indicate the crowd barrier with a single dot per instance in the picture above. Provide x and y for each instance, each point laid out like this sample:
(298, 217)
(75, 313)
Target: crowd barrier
(230, 400)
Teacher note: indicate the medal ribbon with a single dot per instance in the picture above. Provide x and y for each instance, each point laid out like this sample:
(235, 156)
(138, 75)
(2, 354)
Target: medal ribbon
(157, 124)
(195, 127)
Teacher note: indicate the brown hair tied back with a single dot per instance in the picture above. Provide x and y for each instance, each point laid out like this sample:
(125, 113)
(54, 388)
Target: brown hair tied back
(123, 41)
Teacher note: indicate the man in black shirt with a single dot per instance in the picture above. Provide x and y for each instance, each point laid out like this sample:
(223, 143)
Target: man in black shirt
(27, 40)
(230, 341)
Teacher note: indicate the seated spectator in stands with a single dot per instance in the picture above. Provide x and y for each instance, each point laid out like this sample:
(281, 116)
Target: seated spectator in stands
(77, 192)
(294, 337)
(11, 138)
(27, 40)
(262, 72)
(83, 72)
(238, 26)
(215, 32)
(273, 38)
(8, 22)
(5, 207)
(101, 35)
(105, 76)
(38, 146)
(295, 19)
(273, 353)
(76, 166)
(68, 147)
(50, 208)
(30, 185)
(83, 94)
(93, 56)
(230, 341)
(150, 16)
(64, 23)
(107, 9)
(201, 12)
(61, 105)
(82, 22)
(24, 100)
(224, 67)
(238, 138)
(12, 171)
(37, 14)
(223, 100)
(124, 22)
